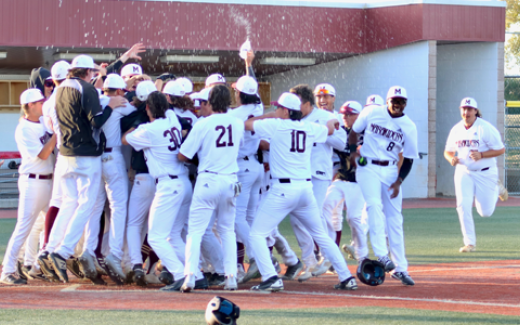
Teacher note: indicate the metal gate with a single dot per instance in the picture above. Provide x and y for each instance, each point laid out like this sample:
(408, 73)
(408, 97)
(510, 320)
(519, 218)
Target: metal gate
(512, 144)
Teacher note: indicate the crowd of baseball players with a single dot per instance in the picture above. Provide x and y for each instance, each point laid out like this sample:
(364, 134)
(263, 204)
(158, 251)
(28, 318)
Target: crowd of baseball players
(149, 182)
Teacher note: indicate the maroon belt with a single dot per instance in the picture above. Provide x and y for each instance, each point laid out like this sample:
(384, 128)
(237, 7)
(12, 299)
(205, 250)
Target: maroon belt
(108, 149)
(36, 176)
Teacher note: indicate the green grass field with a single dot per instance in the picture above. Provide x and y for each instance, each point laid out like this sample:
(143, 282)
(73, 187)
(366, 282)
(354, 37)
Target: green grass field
(431, 235)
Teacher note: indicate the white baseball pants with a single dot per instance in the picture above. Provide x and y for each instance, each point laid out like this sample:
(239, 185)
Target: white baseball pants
(211, 249)
(250, 175)
(339, 194)
(143, 192)
(319, 188)
(374, 182)
(33, 200)
(164, 219)
(213, 192)
(297, 199)
(480, 186)
(56, 185)
(80, 183)
(33, 242)
(91, 236)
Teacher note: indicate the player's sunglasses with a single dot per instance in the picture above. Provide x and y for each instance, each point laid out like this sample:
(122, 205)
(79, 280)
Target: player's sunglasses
(398, 101)
(322, 92)
(48, 83)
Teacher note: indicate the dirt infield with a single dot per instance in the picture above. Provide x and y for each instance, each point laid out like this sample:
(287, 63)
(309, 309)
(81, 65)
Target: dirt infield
(485, 287)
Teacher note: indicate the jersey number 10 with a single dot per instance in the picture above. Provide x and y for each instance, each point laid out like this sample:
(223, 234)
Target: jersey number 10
(298, 141)
(222, 130)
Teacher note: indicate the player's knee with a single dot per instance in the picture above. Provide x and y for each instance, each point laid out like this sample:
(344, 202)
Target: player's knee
(488, 212)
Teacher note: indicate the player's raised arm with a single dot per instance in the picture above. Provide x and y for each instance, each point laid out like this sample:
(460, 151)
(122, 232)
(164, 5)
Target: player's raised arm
(249, 123)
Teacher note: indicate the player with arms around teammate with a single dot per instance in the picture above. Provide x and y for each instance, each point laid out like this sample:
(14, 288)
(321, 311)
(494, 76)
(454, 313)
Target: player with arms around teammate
(291, 142)
(161, 139)
(35, 182)
(216, 139)
(388, 131)
(472, 147)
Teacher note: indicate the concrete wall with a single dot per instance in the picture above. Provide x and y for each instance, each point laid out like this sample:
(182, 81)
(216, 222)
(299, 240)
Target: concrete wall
(8, 122)
(469, 69)
(358, 77)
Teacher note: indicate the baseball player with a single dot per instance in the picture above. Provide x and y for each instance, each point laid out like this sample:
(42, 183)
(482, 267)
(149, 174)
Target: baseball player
(114, 185)
(250, 169)
(217, 135)
(344, 191)
(79, 111)
(35, 181)
(321, 166)
(472, 147)
(160, 140)
(291, 143)
(388, 132)
(175, 93)
(215, 79)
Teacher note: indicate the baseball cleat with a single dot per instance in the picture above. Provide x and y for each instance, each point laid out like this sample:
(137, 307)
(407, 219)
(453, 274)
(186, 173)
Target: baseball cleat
(502, 191)
(60, 266)
(241, 273)
(274, 284)
(231, 283)
(201, 284)
(166, 277)
(22, 271)
(74, 267)
(99, 263)
(216, 280)
(35, 274)
(152, 279)
(47, 268)
(252, 271)
(139, 277)
(389, 265)
(293, 271)
(467, 249)
(348, 284)
(87, 265)
(321, 268)
(11, 279)
(305, 275)
(189, 283)
(175, 286)
(98, 280)
(349, 250)
(114, 264)
(404, 278)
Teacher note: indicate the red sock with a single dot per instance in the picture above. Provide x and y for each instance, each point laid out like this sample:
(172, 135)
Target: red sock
(338, 237)
(50, 217)
(241, 251)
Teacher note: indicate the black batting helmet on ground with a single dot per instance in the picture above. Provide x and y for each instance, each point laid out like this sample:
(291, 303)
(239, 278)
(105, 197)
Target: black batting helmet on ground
(221, 311)
(371, 272)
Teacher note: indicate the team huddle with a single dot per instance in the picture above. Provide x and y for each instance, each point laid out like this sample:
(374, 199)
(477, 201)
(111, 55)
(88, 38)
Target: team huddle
(150, 182)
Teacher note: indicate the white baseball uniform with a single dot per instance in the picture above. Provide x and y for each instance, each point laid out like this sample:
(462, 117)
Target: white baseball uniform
(34, 186)
(249, 175)
(115, 183)
(385, 137)
(474, 179)
(216, 139)
(187, 115)
(291, 190)
(161, 140)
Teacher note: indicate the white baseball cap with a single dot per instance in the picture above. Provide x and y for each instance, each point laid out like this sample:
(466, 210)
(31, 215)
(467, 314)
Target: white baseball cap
(469, 102)
(289, 101)
(31, 95)
(195, 99)
(144, 88)
(324, 89)
(60, 70)
(396, 92)
(375, 100)
(114, 81)
(174, 88)
(186, 83)
(216, 78)
(83, 61)
(351, 107)
(131, 69)
(246, 85)
(204, 94)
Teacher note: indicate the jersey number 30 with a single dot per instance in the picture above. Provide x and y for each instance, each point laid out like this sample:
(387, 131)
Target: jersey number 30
(175, 138)
(298, 141)
(220, 142)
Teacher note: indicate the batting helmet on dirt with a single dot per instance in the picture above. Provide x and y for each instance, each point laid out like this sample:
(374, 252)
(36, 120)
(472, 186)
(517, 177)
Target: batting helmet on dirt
(222, 311)
(371, 272)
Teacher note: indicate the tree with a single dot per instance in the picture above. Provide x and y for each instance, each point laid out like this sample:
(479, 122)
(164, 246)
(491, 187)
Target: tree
(512, 47)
